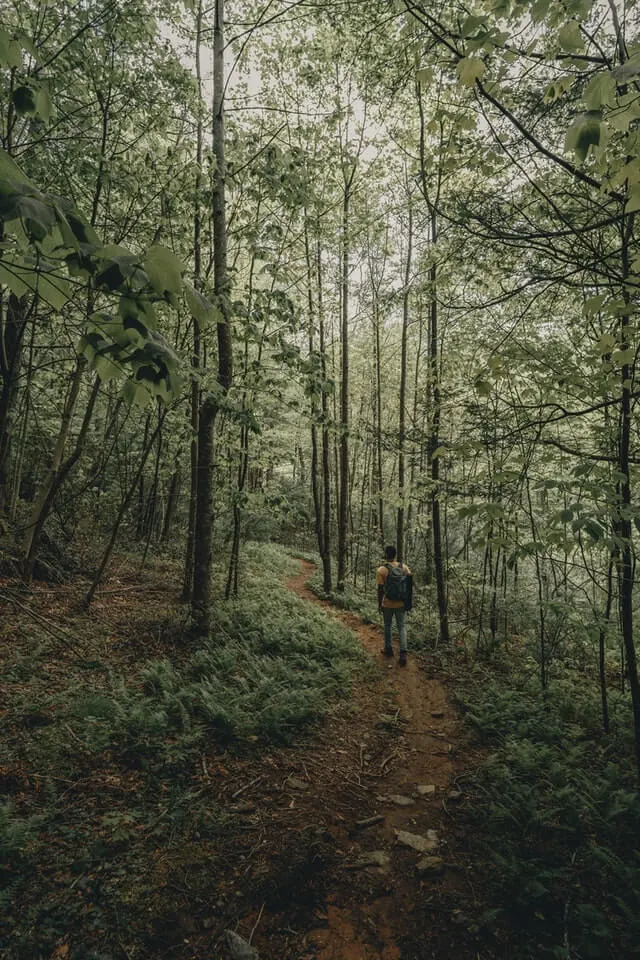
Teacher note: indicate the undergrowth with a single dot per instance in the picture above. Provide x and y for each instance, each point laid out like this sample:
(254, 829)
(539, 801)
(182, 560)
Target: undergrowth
(106, 767)
(557, 815)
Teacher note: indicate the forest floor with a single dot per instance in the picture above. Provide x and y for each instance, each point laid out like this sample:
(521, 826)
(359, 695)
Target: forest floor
(304, 850)
(377, 783)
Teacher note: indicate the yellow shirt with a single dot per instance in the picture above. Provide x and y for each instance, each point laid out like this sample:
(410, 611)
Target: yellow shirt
(381, 578)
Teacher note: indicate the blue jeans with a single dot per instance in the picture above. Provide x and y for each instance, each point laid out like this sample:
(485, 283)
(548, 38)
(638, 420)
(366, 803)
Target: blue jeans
(388, 615)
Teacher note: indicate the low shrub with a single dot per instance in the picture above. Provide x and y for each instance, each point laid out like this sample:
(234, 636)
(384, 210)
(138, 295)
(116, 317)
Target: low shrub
(558, 820)
(273, 666)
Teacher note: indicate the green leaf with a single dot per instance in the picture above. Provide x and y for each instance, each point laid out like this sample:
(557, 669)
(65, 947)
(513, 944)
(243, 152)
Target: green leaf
(627, 71)
(470, 69)
(594, 529)
(9, 169)
(622, 357)
(633, 200)
(600, 91)
(106, 368)
(164, 270)
(136, 393)
(593, 305)
(26, 276)
(424, 76)
(540, 10)
(606, 343)
(24, 99)
(10, 51)
(585, 132)
(43, 104)
(569, 36)
(473, 25)
(556, 89)
(199, 307)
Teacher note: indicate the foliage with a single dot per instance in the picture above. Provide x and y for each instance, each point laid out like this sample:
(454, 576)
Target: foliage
(104, 764)
(555, 815)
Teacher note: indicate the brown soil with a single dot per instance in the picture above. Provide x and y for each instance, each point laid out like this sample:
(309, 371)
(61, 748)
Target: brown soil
(398, 734)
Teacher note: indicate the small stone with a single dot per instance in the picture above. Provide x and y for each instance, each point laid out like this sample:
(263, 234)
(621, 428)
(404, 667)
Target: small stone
(422, 844)
(398, 799)
(426, 789)
(239, 949)
(430, 865)
(454, 795)
(297, 784)
(374, 858)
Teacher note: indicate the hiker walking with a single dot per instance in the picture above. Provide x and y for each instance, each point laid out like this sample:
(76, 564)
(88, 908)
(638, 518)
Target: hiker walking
(395, 587)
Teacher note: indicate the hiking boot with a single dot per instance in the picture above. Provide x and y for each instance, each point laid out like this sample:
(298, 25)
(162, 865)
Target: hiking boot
(403, 658)
(387, 651)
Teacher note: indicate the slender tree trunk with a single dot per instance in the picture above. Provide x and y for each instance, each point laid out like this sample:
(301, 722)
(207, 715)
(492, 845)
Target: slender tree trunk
(602, 645)
(14, 317)
(315, 478)
(203, 562)
(57, 475)
(140, 520)
(402, 400)
(542, 634)
(433, 443)
(343, 506)
(172, 500)
(433, 446)
(378, 425)
(187, 584)
(124, 506)
(624, 513)
(412, 469)
(327, 582)
(152, 508)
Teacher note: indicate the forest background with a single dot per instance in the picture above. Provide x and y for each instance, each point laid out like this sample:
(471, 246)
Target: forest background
(334, 275)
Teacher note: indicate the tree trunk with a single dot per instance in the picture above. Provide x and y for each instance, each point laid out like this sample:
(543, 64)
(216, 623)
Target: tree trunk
(13, 323)
(200, 606)
(434, 457)
(58, 472)
(327, 583)
(343, 506)
(624, 515)
(402, 426)
(172, 500)
(187, 585)
(124, 506)
(378, 426)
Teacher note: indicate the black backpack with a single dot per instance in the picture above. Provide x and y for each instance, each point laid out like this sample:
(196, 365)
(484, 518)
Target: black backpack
(397, 584)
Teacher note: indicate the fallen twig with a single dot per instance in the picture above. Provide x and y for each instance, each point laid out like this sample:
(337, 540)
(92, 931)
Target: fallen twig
(369, 822)
(246, 787)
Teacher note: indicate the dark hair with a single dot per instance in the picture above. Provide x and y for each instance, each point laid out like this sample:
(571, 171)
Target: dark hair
(390, 552)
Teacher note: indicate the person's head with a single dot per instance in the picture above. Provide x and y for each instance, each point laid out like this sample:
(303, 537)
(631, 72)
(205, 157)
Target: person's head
(389, 553)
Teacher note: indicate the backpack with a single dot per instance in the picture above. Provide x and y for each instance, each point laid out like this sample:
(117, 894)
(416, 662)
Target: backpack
(397, 583)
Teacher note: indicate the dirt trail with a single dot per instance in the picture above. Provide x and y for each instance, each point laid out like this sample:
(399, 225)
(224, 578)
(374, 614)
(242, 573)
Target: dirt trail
(392, 909)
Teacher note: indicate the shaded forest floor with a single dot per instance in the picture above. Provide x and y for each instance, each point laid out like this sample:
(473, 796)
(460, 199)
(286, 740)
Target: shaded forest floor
(103, 858)
(277, 781)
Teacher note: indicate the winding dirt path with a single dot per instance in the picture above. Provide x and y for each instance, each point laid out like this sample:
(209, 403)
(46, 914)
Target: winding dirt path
(386, 900)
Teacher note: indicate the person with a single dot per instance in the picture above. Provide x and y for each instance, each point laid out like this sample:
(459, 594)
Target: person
(394, 599)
